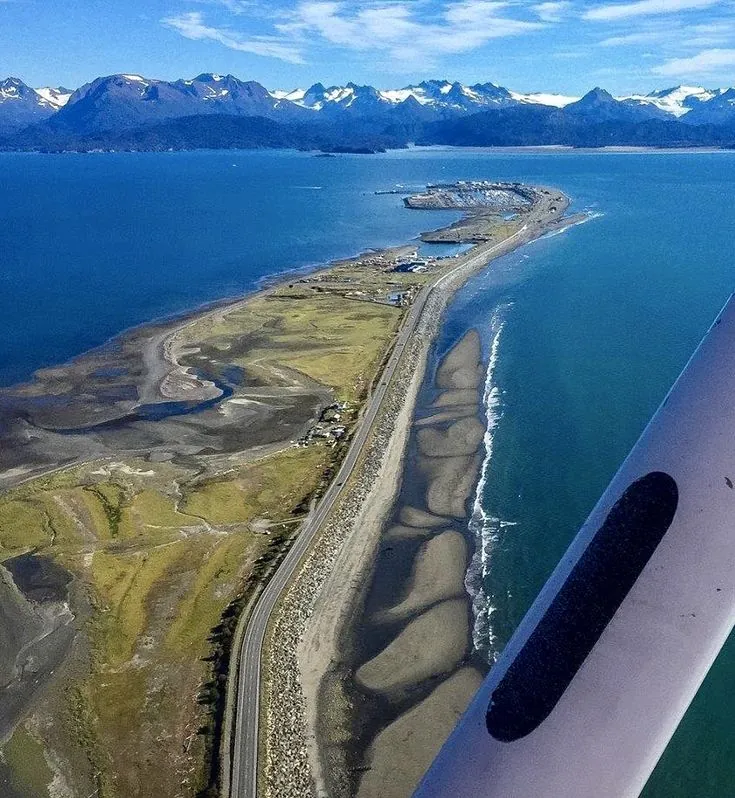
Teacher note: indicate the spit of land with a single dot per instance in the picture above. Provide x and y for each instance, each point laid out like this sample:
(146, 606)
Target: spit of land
(151, 486)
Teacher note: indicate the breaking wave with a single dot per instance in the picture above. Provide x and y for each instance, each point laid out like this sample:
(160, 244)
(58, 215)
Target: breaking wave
(589, 216)
(484, 527)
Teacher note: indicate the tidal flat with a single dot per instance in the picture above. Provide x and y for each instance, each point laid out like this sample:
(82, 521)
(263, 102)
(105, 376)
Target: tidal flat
(406, 659)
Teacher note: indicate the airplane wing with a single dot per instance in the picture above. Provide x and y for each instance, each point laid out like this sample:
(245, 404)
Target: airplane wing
(589, 690)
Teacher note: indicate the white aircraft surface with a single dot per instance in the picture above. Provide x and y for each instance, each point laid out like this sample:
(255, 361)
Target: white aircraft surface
(592, 685)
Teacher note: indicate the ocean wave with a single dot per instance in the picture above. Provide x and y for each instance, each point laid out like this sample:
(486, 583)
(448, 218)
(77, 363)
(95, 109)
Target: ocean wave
(486, 528)
(589, 216)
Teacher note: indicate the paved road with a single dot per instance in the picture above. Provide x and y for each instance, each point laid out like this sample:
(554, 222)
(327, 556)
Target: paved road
(244, 772)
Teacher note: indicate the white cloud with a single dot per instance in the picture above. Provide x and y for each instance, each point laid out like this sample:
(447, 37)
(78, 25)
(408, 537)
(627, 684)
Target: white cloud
(617, 11)
(233, 6)
(552, 11)
(713, 34)
(643, 37)
(400, 31)
(675, 36)
(396, 31)
(705, 63)
(192, 26)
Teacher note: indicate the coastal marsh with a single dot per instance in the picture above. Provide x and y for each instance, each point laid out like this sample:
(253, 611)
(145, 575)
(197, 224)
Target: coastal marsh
(160, 552)
(329, 339)
(160, 547)
(25, 756)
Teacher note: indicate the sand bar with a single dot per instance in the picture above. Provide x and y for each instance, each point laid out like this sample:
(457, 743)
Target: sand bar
(429, 646)
(452, 481)
(450, 414)
(418, 735)
(438, 575)
(462, 366)
(460, 396)
(415, 516)
(461, 438)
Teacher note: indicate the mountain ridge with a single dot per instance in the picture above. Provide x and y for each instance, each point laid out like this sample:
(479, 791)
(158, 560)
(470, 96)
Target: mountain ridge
(110, 107)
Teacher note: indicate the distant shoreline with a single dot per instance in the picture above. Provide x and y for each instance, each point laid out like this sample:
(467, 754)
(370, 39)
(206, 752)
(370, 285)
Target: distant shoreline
(550, 149)
(547, 149)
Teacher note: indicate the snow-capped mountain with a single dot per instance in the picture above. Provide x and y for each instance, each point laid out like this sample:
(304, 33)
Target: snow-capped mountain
(456, 97)
(719, 110)
(20, 106)
(121, 102)
(55, 98)
(15, 91)
(677, 101)
(541, 98)
(351, 97)
(317, 96)
(453, 97)
(111, 106)
(599, 105)
(439, 95)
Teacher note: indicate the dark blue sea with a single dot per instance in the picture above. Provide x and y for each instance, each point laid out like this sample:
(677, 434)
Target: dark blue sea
(584, 332)
(93, 244)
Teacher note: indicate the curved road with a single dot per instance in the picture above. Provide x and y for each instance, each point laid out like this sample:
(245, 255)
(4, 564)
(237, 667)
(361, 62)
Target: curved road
(244, 771)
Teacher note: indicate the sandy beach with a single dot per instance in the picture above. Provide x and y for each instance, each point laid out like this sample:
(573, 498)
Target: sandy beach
(424, 667)
(377, 632)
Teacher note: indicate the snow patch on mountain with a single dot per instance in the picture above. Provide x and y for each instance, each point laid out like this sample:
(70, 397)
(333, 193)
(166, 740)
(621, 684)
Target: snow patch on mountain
(440, 94)
(540, 98)
(11, 89)
(288, 94)
(54, 98)
(443, 94)
(126, 101)
(676, 101)
(401, 95)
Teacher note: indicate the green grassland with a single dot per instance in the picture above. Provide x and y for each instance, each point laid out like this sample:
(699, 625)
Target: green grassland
(314, 329)
(161, 550)
(29, 772)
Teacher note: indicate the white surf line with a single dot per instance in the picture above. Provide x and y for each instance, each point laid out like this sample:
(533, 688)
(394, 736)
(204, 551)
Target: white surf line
(484, 527)
(588, 217)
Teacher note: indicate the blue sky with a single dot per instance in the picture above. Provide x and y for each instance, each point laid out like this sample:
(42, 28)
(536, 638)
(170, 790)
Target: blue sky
(564, 46)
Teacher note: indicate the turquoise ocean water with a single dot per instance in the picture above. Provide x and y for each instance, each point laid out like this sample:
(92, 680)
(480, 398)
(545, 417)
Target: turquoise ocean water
(584, 331)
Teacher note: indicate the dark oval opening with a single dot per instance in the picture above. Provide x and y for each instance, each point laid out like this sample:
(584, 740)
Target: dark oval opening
(583, 607)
